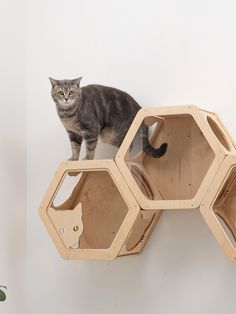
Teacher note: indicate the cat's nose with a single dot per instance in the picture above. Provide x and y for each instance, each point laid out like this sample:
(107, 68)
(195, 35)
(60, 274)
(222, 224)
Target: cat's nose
(66, 99)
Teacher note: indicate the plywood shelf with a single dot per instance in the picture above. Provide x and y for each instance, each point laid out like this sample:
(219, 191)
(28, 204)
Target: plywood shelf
(197, 145)
(102, 209)
(90, 212)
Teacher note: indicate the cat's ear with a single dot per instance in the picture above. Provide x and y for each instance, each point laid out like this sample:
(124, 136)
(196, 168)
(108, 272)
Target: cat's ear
(78, 210)
(77, 81)
(53, 82)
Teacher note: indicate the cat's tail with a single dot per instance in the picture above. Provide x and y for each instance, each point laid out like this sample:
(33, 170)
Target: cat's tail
(147, 147)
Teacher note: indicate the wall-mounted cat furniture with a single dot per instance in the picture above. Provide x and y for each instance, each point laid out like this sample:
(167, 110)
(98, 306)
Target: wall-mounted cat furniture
(100, 219)
(113, 206)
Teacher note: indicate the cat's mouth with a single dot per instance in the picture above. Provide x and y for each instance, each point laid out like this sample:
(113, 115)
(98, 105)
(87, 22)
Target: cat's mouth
(66, 105)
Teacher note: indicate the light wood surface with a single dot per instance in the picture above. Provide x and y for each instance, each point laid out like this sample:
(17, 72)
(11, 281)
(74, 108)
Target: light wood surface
(197, 145)
(140, 232)
(219, 207)
(114, 206)
(97, 217)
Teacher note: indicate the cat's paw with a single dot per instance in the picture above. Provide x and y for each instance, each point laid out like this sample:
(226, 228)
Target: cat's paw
(87, 158)
(73, 159)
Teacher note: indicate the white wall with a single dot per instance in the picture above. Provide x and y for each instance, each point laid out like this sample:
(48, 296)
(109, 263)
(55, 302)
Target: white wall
(13, 156)
(162, 53)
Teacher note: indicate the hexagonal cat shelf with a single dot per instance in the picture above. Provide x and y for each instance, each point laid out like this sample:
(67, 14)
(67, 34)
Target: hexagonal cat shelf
(197, 145)
(101, 209)
(219, 207)
(90, 212)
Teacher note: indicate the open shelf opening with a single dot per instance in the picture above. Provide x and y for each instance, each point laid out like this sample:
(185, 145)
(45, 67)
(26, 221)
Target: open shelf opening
(225, 206)
(91, 213)
(179, 173)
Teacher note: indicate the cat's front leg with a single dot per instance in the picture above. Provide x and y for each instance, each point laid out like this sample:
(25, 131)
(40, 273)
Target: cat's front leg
(91, 143)
(75, 142)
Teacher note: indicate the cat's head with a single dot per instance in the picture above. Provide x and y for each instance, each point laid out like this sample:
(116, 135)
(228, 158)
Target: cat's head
(66, 93)
(68, 225)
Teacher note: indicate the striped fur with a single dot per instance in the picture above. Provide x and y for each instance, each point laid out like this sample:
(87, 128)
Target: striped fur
(95, 110)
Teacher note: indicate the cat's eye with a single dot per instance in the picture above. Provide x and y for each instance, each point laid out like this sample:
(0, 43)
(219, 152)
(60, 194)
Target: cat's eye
(71, 93)
(76, 228)
(61, 93)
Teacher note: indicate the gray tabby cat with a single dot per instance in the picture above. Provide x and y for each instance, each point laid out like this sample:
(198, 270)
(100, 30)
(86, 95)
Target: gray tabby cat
(95, 110)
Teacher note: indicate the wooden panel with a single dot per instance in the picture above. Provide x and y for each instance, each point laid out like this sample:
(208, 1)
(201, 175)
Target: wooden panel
(68, 224)
(140, 232)
(179, 173)
(225, 204)
(219, 207)
(93, 219)
(103, 209)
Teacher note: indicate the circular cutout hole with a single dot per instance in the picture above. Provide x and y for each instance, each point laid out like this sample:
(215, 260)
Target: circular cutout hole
(218, 133)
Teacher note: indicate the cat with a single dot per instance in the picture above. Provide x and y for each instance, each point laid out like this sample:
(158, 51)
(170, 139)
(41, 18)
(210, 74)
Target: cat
(96, 110)
(68, 224)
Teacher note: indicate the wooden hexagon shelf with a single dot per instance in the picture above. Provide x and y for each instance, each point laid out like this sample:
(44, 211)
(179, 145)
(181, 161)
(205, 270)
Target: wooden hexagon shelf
(90, 213)
(197, 145)
(219, 207)
(102, 209)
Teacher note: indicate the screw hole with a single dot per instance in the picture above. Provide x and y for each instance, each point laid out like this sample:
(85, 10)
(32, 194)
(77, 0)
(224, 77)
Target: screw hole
(61, 230)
